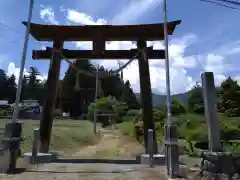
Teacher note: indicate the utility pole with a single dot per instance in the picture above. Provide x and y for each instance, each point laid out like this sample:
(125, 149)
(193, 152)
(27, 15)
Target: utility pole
(23, 60)
(171, 146)
(96, 96)
(121, 73)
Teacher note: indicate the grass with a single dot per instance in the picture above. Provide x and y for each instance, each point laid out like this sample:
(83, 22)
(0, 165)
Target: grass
(127, 128)
(67, 135)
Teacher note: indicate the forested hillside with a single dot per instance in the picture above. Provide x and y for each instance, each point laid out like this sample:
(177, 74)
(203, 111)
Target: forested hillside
(70, 99)
(158, 99)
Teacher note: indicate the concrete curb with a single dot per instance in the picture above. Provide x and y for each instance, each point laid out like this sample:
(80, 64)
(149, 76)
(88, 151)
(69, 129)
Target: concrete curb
(41, 158)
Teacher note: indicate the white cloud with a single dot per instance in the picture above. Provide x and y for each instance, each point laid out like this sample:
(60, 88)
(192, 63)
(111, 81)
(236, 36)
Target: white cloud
(214, 63)
(237, 78)
(233, 51)
(229, 49)
(181, 81)
(128, 14)
(74, 16)
(134, 10)
(13, 70)
(177, 48)
(47, 14)
(82, 18)
(218, 79)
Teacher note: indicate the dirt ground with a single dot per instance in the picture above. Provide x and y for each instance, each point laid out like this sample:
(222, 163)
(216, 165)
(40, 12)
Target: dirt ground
(111, 145)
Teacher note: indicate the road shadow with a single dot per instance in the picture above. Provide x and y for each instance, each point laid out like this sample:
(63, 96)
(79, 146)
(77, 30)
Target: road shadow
(100, 161)
(17, 171)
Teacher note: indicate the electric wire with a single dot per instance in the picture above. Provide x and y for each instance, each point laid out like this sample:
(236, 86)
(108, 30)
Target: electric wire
(231, 2)
(220, 4)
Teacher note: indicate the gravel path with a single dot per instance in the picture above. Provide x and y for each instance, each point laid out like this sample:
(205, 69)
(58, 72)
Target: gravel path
(93, 171)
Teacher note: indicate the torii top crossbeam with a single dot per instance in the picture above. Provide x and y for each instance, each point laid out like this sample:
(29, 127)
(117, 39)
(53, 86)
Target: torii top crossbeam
(147, 32)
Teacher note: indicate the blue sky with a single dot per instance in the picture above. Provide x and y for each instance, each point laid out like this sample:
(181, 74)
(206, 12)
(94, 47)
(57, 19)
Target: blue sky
(206, 40)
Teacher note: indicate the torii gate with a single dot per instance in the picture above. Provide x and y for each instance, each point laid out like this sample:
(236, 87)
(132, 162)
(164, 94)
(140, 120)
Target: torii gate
(98, 34)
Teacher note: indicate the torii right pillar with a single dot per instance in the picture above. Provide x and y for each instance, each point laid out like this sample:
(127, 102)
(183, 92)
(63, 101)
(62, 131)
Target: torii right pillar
(146, 96)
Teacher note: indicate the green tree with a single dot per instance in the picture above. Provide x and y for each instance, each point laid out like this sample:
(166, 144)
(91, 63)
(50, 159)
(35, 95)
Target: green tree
(107, 105)
(3, 85)
(129, 97)
(195, 100)
(24, 88)
(12, 88)
(229, 97)
(111, 85)
(159, 115)
(75, 100)
(34, 86)
(177, 107)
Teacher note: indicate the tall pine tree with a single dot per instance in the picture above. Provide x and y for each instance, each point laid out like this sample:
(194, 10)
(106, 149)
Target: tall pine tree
(229, 97)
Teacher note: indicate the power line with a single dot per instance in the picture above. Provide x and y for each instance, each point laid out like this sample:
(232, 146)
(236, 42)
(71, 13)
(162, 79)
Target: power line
(231, 2)
(8, 27)
(220, 4)
(15, 31)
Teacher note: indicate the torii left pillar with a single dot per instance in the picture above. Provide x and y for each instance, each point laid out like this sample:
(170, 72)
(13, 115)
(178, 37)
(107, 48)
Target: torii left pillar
(50, 98)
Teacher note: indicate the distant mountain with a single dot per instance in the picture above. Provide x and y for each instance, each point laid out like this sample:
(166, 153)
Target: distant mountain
(161, 99)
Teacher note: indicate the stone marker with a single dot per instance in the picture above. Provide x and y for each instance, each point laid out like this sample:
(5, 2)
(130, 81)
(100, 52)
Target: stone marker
(35, 157)
(35, 145)
(209, 96)
(150, 147)
(11, 141)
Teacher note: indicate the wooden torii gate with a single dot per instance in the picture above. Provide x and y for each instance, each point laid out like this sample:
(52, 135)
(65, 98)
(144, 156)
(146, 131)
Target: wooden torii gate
(98, 34)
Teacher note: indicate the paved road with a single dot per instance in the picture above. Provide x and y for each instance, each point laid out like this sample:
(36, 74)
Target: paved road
(59, 171)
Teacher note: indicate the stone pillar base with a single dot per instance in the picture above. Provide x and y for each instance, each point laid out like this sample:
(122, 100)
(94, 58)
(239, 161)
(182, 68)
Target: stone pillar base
(220, 163)
(171, 150)
(158, 159)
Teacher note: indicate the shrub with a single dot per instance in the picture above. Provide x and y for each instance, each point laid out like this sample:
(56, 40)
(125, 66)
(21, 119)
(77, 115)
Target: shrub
(127, 128)
(192, 129)
(107, 105)
(232, 147)
(139, 131)
(3, 112)
(128, 118)
(134, 114)
(158, 116)
(227, 125)
(177, 107)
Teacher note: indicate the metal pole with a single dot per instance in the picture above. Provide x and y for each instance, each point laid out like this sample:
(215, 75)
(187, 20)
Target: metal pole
(96, 96)
(168, 90)
(171, 147)
(24, 54)
(121, 72)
